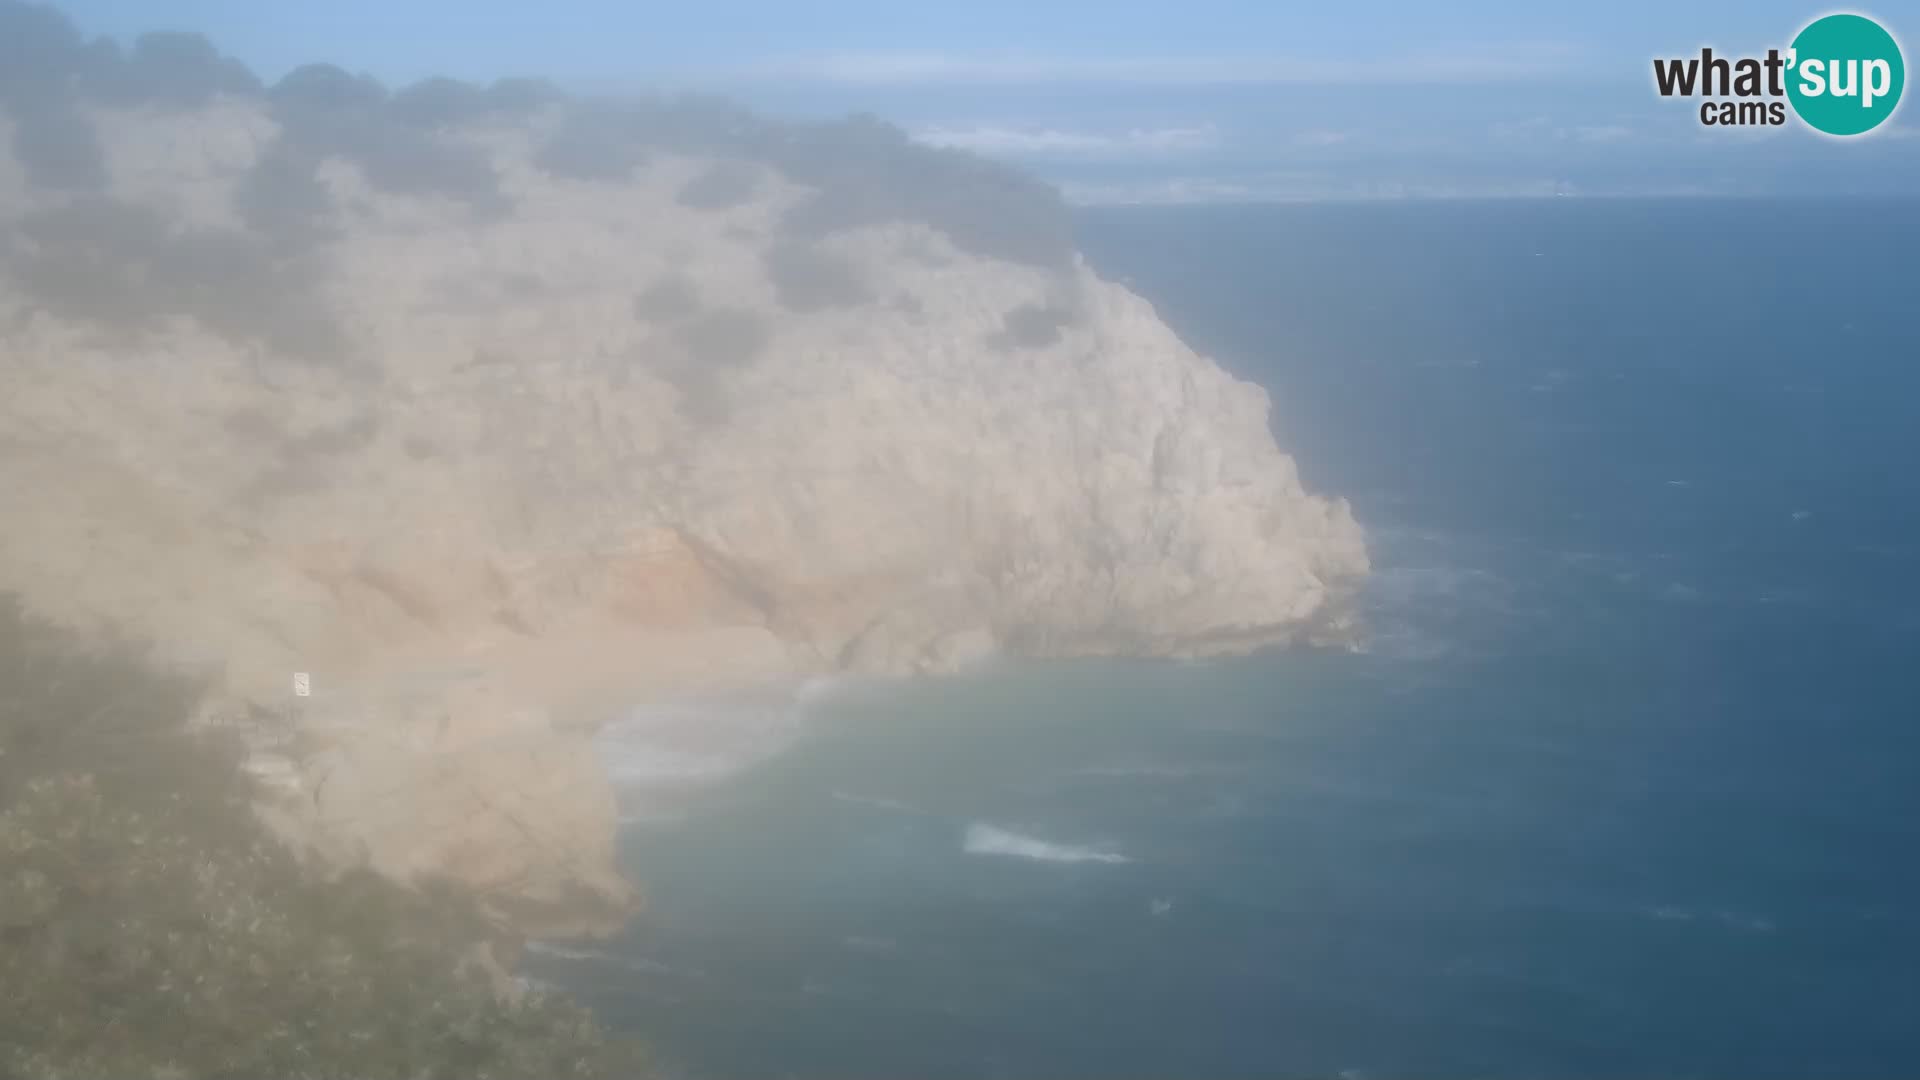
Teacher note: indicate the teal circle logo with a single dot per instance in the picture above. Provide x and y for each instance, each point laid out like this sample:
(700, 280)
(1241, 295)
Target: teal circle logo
(1845, 74)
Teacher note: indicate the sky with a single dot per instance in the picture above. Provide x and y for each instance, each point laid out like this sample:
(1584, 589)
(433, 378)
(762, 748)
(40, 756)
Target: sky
(1178, 100)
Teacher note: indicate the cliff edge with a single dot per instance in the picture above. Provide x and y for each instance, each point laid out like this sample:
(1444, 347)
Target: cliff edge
(499, 418)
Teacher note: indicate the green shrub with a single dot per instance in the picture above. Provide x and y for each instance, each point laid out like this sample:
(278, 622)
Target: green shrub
(518, 96)
(720, 186)
(39, 53)
(671, 297)
(863, 172)
(282, 197)
(867, 172)
(323, 111)
(165, 68)
(57, 146)
(325, 88)
(594, 144)
(715, 343)
(149, 927)
(1031, 326)
(120, 267)
(439, 103)
(810, 279)
(724, 337)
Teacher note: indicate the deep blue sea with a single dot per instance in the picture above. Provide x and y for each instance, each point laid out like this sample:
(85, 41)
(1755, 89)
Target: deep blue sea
(1627, 784)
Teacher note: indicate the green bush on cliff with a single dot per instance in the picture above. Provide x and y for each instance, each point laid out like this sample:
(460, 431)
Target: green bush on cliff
(863, 171)
(122, 266)
(149, 927)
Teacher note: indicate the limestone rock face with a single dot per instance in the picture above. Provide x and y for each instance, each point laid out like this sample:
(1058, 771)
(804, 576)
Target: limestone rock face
(491, 474)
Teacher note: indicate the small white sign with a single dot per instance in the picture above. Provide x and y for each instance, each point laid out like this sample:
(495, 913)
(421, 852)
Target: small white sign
(302, 687)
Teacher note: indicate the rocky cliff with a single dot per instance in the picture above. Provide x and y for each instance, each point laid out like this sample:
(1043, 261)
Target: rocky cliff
(499, 418)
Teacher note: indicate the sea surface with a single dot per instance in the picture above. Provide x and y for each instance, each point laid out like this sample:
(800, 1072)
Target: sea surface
(1627, 783)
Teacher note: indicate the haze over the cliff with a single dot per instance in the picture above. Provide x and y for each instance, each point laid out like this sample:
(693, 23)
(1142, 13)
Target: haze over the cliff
(497, 411)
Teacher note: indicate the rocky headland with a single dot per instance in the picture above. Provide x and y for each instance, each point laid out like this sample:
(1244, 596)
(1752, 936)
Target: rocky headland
(497, 412)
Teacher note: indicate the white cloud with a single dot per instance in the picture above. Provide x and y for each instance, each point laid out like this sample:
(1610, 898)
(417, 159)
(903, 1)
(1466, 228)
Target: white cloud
(1055, 143)
(1520, 61)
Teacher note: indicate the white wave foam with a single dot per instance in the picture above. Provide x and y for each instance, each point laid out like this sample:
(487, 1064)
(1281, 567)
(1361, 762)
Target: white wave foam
(597, 956)
(641, 765)
(673, 747)
(988, 840)
(819, 688)
(1409, 609)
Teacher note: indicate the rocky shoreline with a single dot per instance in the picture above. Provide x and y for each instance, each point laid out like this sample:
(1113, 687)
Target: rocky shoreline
(497, 437)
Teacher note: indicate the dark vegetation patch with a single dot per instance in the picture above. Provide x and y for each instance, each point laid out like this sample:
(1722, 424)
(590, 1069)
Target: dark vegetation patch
(520, 96)
(169, 69)
(323, 111)
(721, 186)
(120, 267)
(867, 172)
(466, 290)
(715, 344)
(917, 248)
(592, 144)
(724, 338)
(671, 297)
(440, 103)
(252, 426)
(808, 278)
(341, 438)
(40, 53)
(57, 146)
(282, 197)
(324, 90)
(863, 172)
(296, 464)
(149, 926)
(1031, 326)
(870, 173)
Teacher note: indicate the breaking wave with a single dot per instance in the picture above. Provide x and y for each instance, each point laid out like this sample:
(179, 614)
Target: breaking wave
(698, 742)
(988, 840)
(598, 956)
(817, 689)
(665, 749)
(662, 756)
